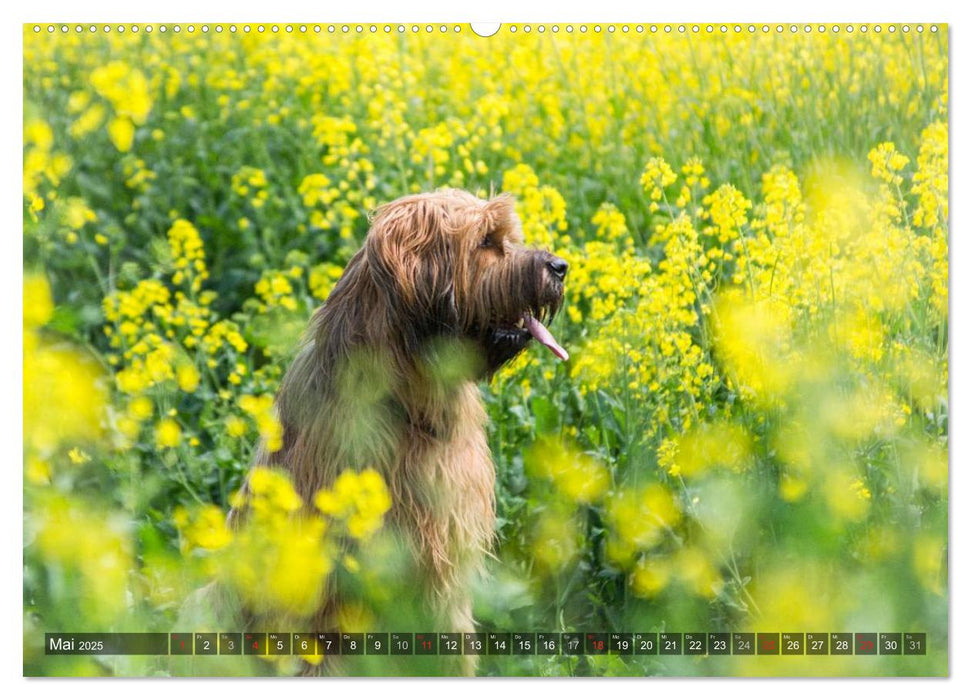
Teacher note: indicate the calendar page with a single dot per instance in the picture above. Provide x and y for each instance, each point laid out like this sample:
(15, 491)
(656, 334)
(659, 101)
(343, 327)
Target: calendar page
(526, 349)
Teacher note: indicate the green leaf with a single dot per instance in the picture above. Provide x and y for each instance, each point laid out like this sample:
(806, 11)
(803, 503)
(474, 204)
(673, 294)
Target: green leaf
(546, 413)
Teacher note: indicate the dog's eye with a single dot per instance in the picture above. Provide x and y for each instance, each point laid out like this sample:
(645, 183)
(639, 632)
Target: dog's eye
(487, 241)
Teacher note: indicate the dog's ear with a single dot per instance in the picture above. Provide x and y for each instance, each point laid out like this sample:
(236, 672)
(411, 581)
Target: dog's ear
(499, 217)
(410, 259)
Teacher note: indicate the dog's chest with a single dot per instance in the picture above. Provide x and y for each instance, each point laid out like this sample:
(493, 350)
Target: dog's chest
(452, 479)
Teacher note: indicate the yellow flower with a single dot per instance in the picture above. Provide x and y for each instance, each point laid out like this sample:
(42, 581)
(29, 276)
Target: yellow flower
(77, 214)
(316, 189)
(167, 433)
(224, 333)
(38, 305)
(754, 338)
(610, 222)
(579, 477)
(360, 499)
(796, 596)
(141, 408)
(92, 543)
(929, 560)
(640, 516)
(276, 291)
(64, 393)
(37, 471)
(122, 133)
(650, 577)
(272, 488)
(126, 88)
(261, 409)
(78, 456)
(322, 279)
(657, 176)
(846, 495)
(887, 162)
(188, 378)
(235, 426)
(298, 568)
(189, 254)
(351, 564)
(706, 446)
(792, 487)
(694, 568)
(39, 133)
(727, 208)
(556, 539)
(206, 529)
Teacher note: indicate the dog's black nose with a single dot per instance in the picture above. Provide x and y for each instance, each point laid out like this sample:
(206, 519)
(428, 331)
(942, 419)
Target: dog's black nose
(558, 266)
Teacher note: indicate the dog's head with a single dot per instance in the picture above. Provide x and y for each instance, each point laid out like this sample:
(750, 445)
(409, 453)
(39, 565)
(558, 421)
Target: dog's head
(449, 263)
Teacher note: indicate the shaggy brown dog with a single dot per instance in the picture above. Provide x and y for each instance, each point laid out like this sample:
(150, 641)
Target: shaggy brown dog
(365, 390)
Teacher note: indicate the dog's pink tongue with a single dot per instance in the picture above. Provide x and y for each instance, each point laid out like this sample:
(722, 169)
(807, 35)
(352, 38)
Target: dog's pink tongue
(540, 332)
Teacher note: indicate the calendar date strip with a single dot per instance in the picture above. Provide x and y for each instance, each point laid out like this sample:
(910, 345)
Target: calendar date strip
(487, 643)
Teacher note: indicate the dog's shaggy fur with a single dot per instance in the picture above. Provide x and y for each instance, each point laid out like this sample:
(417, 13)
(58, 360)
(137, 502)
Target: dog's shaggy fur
(365, 388)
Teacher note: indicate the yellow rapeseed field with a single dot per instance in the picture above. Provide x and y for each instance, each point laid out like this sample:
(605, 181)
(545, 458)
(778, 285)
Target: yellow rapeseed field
(751, 433)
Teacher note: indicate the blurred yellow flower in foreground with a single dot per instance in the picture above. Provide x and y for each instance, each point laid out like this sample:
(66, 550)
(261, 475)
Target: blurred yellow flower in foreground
(207, 529)
(355, 617)
(650, 576)
(704, 447)
(78, 456)
(754, 341)
(90, 543)
(360, 499)
(37, 470)
(639, 517)
(930, 558)
(277, 559)
(695, 569)
(38, 304)
(280, 556)
(64, 393)
(271, 491)
(846, 494)
(278, 562)
(556, 539)
(931, 463)
(794, 596)
(578, 476)
(689, 566)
